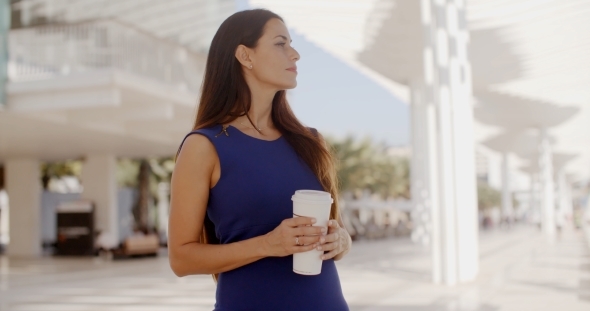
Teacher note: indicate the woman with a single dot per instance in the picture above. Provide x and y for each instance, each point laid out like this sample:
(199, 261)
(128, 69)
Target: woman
(231, 208)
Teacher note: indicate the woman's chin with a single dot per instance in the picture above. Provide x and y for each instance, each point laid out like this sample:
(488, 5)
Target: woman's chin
(286, 85)
(291, 85)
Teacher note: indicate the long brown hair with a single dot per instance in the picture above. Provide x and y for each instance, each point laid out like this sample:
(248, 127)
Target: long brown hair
(225, 95)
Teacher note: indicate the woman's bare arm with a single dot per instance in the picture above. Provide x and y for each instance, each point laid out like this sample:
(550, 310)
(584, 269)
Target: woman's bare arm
(196, 170)
(191, 181)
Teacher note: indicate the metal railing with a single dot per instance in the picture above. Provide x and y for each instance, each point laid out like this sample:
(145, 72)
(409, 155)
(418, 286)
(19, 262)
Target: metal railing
(47, 51)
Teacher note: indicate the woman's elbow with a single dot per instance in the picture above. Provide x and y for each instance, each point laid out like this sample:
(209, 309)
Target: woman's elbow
(176, 266)
(180, 267)
(177, 261)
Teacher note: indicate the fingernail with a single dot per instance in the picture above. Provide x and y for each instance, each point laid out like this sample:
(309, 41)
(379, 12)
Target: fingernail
(319, 248)
(323, 257)
(313, 220)
(322, 240)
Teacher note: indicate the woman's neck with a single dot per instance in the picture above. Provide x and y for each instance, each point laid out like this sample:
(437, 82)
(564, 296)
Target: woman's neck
(261, 105)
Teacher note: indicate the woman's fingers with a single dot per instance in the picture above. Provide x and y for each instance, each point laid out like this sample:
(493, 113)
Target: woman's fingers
(304, 248)
(314, 237)
(333, 244)
(328, 246)
(333, 225)
(329, 242)
(309, 230)
(307, 240)
(332, 237)
(330, 254)
(299, 221)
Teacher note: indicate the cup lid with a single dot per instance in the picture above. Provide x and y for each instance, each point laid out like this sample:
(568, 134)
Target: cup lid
(313, 196)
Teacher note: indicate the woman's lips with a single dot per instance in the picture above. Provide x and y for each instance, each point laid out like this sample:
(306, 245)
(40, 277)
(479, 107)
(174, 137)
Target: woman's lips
(294, 69)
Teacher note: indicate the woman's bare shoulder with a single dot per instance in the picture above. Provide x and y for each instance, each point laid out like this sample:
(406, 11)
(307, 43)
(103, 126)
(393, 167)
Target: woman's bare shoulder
(197, 147)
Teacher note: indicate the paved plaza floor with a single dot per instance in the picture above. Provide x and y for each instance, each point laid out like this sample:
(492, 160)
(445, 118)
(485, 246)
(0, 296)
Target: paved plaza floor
(518, 271)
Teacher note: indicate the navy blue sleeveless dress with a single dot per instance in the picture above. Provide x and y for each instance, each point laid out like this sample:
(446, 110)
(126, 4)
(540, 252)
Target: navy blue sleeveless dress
(251, 198)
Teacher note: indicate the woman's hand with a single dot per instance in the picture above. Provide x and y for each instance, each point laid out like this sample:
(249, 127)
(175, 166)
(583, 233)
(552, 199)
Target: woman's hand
(293, 235)
(337, 242)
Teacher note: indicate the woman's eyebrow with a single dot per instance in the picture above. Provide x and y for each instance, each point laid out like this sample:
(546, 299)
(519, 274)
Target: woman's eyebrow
(284, 37)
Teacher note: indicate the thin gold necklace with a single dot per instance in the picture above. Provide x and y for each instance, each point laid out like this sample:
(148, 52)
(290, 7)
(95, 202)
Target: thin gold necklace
(258, 129)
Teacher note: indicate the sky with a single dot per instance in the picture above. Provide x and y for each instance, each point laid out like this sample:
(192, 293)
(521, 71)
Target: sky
(338, 100)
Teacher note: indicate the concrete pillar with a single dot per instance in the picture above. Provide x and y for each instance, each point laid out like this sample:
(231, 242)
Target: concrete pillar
(464, 141)
(425, 170)
(565, 208)
(423, 163)
(4, 216)
(23, 185)
(4, 30)
(547, 186)
(534, 195)
(507, 209)
(447, 77)
(569, 200)
(419, 193)
(163, 209)
(100, 186)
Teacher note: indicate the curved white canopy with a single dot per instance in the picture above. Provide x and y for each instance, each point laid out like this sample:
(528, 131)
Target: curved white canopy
(522, 143)
(542, 44)
(514, 112)
(559, 161)
(534, 50)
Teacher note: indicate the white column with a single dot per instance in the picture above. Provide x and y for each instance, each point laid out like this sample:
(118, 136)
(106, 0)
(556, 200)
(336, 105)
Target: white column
(5, 14)
(4, 216)
(423, 134)
(507, 209)
(533, 193)
(563, 198)
(464, 142)
(424, 187)
(100, 186)
(547, 186)
(569, 200)
(163, 208)
(23, 185)
(448, 77)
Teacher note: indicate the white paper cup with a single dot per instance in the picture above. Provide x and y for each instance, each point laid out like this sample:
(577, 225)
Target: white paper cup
(316, 204)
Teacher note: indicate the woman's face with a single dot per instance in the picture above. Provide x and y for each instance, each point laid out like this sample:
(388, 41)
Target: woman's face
(273, 59)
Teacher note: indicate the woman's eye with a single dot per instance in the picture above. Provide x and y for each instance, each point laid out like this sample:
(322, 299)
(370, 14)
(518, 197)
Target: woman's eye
(281, 44)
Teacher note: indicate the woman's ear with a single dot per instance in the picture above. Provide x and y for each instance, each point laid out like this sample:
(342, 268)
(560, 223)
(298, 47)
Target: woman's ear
(243, 56)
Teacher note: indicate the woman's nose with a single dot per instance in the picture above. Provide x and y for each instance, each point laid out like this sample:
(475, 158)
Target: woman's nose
(296, 55)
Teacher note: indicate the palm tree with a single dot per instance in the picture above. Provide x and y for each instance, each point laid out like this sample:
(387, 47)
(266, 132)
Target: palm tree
(487, 197)
(363, 165)
(145, 175)
(59, 169)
